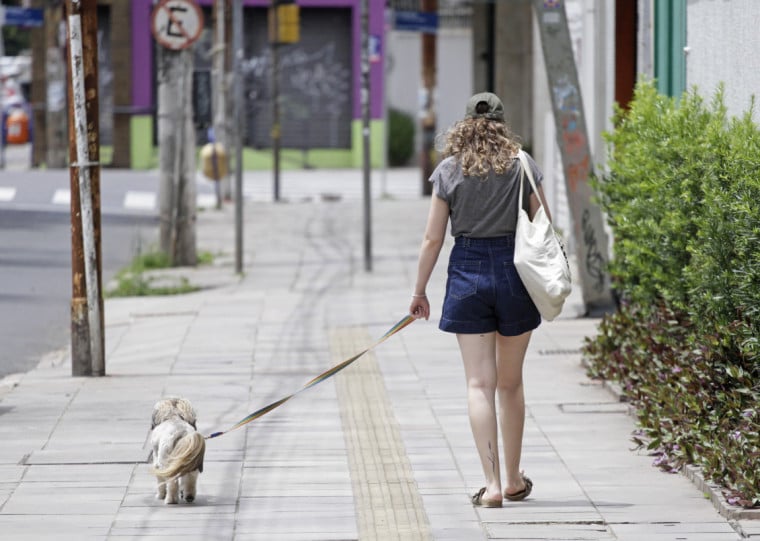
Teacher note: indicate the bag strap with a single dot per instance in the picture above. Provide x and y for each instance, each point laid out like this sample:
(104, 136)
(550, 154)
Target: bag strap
(525, 170)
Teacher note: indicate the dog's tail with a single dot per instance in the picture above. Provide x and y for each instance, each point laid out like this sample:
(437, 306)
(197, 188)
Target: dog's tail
(186, 456)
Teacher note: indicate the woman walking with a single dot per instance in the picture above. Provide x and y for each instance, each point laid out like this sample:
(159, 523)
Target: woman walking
(476, 187)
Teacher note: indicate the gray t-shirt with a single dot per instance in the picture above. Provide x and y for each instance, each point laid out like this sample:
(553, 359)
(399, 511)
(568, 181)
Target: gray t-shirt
(482, 207)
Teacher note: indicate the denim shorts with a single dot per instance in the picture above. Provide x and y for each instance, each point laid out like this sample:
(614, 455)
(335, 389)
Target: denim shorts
(484, 293)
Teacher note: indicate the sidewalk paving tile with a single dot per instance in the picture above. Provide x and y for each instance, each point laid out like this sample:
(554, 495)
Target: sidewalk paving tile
(73, 459)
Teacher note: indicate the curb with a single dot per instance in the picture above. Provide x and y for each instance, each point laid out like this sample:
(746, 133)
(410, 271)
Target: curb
(731, 512)
(49, 359)
(690, 471)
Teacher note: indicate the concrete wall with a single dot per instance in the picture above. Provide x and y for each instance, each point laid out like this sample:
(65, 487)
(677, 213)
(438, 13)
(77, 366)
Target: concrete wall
(121, 60)
(504, 30)
(454, 69)
(513, 49)
(722, 43)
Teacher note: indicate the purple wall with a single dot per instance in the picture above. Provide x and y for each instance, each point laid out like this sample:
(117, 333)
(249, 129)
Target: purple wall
(142, 43)
(142, 57)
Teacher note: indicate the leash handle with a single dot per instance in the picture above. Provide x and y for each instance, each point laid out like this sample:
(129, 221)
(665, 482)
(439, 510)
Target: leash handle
(319, 379)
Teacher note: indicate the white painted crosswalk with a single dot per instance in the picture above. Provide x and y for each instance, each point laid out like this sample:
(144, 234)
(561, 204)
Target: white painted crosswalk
(138, 192)
(132, 200)
(7, 194)
(205, 200)
(61, 197)
(135, 200)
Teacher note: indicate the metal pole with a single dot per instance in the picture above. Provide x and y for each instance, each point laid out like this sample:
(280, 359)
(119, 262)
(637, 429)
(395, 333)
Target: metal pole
(384, 64)
(219, 74)
(83, 165)
(365, 139)
(276, 125)
(237, 37)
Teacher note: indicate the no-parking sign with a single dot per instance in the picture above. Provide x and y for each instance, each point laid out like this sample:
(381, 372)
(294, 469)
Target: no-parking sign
(177, 24)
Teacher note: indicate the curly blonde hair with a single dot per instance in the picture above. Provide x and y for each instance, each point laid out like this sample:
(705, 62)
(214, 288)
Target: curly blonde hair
(481, 145)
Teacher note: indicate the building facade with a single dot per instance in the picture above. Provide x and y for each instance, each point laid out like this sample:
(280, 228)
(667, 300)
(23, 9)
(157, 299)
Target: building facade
(320, 82)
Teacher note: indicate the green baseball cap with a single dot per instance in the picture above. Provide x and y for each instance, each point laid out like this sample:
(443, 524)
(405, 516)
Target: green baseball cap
(494, 111)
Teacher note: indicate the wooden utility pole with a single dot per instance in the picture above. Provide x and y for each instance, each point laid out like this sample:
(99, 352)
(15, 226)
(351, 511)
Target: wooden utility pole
(428, 113)
(87, 339)
(39, 87)
(176, 26)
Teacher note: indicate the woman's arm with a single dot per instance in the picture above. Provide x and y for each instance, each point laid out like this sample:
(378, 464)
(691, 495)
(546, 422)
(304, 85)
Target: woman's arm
(534, 205)
(435, 232)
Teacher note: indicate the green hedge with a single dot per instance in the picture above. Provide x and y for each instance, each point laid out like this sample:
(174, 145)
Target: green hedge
(683, 200)
(400, 138)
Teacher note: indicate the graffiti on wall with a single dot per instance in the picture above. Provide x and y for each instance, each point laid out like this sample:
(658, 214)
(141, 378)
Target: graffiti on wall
(315, 82)
(568, 102)
(315, 96)
(315, 75)
(595, 260)
(577, 168)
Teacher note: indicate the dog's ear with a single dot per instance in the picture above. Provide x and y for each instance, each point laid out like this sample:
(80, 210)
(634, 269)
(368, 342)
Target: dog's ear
(154, 419)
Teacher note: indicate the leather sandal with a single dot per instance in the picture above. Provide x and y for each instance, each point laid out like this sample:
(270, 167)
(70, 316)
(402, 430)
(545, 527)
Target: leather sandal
(479, 501)
(524, 493)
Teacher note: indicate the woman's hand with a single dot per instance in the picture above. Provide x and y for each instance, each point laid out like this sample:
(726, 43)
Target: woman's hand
(420, 307)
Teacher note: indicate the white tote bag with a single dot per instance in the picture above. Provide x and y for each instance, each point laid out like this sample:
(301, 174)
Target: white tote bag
(540, 258)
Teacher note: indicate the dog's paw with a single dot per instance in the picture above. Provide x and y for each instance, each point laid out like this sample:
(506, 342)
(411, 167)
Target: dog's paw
(168, 500)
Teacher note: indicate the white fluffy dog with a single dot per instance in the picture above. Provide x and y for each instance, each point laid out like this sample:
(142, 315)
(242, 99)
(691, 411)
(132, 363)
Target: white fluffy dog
(178, 450)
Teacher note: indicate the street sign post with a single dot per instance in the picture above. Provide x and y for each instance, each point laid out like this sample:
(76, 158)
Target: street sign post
(177, 24)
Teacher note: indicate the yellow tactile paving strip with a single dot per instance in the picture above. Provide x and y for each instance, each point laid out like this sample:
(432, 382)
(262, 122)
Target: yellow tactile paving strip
(388, 504)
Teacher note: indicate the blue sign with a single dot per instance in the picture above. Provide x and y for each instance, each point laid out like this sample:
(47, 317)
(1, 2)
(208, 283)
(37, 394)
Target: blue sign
(15, 16)
(375, 49)
(416, 21)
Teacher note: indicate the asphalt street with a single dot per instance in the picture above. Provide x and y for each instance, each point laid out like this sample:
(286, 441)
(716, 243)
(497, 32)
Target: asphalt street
(35, 277)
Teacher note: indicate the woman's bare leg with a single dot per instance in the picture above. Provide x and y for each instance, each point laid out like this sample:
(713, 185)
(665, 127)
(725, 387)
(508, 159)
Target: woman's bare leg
(510, 354)
(479, 357)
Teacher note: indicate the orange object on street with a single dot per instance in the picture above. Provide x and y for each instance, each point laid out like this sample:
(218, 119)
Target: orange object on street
(17, 127)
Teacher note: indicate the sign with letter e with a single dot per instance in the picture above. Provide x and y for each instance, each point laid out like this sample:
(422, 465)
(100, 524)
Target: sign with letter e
(176, 24)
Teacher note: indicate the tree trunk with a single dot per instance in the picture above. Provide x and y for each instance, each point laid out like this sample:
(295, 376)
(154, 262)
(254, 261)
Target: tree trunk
(176, 156)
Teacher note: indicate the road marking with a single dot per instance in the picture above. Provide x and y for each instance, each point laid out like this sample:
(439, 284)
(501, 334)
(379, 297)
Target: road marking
(206, 200)
(388, 502)
(62, 197)
(7, 194)
(140, 200)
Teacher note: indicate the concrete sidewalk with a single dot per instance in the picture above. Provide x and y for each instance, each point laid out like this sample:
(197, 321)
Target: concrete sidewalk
(381, 451)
